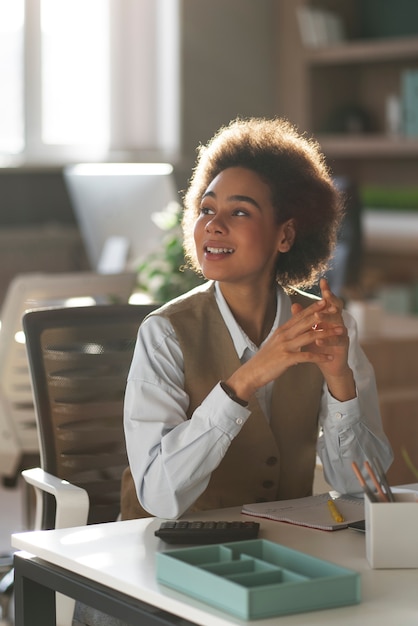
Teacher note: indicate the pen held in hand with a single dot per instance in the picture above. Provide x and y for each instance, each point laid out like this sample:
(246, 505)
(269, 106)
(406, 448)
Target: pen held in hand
(336, 515)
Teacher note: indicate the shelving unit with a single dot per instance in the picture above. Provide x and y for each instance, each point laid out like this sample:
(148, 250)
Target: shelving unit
(365, 51)
(356, 79)
(319, 87)
(372, 146)
(312, 83)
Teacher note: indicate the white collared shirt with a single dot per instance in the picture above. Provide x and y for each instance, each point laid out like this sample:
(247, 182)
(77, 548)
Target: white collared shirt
(245, 348)
(172, 458)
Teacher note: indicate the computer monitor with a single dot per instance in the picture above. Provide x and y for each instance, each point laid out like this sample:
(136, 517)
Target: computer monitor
(113, 204)
(18, 432)
(344, 268)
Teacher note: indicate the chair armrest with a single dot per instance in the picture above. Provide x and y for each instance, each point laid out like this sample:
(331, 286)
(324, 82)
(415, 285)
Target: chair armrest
(72, 502)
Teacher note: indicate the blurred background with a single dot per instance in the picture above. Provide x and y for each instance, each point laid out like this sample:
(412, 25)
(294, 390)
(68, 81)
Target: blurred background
(131, 81)
(99, 96)
(145, 81)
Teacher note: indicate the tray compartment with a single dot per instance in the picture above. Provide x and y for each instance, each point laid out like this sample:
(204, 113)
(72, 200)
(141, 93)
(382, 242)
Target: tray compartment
(258, 578)
(261, 579)
(239, 567)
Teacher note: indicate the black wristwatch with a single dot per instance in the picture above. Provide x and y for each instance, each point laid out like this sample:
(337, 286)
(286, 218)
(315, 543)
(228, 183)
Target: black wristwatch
(231, 393)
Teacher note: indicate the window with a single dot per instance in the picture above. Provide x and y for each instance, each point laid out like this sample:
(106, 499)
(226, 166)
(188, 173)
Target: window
(75, 78)
(83, 80)
(11, 76)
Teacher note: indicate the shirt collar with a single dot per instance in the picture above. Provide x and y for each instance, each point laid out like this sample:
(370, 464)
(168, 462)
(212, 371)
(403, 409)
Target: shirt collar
(240, 340)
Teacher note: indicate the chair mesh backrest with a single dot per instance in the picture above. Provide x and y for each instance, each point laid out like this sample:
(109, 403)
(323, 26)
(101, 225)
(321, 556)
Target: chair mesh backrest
(19, 448)
(79, 360)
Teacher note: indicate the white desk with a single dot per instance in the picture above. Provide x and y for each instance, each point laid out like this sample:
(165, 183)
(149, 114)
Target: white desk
(112, 566)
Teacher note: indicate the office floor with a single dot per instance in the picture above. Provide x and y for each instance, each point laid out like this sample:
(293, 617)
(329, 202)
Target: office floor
(12, 514)
(12, 519)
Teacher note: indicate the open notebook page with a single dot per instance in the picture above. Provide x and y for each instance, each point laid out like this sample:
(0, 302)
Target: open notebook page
(312, 511)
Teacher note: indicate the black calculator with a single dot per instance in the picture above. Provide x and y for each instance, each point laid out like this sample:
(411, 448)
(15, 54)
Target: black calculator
(180, 531)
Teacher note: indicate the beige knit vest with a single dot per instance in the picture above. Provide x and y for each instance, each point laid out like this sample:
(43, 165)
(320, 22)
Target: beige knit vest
(265, 461)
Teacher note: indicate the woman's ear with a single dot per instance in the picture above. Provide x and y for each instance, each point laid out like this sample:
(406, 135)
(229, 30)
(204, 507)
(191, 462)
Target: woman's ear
(287, 235)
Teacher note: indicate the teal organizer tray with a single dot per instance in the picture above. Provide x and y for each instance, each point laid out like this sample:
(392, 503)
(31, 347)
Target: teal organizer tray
(257, 579)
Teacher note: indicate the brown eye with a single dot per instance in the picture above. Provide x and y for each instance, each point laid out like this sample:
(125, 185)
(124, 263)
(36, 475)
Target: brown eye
(205, 210)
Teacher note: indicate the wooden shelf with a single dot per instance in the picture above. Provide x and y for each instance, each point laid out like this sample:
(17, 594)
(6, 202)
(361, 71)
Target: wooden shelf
(365, 146)
(326, 90)
(391, 231)
(364, 51)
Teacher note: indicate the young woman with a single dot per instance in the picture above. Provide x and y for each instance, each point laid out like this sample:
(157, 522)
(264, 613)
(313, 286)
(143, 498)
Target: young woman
(237, 385)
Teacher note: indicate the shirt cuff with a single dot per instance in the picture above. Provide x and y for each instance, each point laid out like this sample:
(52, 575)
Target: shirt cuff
(343, 414)
(225, 413)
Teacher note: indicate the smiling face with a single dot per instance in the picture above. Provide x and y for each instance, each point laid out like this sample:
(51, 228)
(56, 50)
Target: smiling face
(236, 235)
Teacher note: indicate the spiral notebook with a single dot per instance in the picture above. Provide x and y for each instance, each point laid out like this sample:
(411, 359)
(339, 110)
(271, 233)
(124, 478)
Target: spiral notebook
(312, 511)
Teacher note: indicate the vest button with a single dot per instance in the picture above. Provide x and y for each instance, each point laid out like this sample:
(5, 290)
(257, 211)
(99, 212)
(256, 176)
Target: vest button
(268, 484)
(272, 460)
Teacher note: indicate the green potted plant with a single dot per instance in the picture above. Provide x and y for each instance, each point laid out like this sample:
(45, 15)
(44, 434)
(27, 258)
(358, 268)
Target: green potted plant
(164, 274)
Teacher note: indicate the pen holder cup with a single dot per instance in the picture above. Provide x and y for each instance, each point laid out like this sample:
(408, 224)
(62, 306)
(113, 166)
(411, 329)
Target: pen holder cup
(392, 532)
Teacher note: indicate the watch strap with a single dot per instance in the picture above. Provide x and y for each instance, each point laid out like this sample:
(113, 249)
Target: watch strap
(231, 393)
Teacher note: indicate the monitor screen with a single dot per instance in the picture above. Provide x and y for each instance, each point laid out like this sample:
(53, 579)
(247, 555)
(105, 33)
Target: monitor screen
(113, 204)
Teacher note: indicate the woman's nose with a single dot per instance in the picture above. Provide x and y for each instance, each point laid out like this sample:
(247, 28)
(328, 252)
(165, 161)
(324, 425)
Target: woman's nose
(215, 225)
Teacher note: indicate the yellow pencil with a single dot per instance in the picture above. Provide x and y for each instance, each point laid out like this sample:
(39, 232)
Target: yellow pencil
(336, 515)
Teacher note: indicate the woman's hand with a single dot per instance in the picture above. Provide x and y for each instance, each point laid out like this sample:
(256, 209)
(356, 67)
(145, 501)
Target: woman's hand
(315, 334)
(336, 370)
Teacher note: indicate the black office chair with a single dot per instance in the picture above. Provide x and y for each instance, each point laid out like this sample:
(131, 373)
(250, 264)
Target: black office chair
(79, 359)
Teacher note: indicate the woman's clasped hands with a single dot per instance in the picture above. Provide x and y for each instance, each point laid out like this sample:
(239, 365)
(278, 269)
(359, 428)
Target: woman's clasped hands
(316, 334)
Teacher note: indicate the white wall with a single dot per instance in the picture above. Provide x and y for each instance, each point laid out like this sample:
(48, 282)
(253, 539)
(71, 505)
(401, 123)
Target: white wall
(228, 66)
